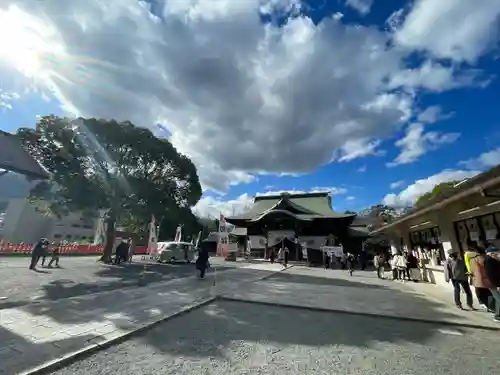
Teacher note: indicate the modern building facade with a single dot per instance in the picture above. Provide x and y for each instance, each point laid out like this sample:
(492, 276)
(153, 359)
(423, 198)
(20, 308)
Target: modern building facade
(22, 223)
(293, 219)
(469, 211)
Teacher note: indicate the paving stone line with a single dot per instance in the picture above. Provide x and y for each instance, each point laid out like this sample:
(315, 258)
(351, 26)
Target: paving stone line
(116, 336)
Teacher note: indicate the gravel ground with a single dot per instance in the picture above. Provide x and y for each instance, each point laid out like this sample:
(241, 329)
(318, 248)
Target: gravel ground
(79, 276)
(242, 338)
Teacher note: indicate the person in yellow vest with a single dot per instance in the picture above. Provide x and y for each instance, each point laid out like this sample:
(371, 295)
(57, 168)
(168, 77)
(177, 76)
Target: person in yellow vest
(474, 259)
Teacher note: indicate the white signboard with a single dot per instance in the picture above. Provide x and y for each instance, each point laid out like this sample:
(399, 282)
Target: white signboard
(474, 236)
(333, 250)
(491, 234)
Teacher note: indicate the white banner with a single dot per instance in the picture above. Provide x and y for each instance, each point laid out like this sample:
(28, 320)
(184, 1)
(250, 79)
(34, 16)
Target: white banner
(152, 239)
(276, 236)
(257, 242)
(333, 250)
(313, 242)
(304, 251)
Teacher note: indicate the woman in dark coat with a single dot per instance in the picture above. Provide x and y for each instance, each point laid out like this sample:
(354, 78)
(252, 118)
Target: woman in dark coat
(202, 262)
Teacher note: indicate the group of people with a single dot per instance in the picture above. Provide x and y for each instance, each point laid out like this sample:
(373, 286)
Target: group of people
(347, 261)
(404, 266)
(40, 251)
(283, 254)
(480, 267)
(123, 252)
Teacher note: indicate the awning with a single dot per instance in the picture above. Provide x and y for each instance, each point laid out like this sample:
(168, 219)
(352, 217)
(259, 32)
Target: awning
(13, 158)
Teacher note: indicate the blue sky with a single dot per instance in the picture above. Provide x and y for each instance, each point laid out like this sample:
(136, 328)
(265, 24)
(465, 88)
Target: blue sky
(375, 101)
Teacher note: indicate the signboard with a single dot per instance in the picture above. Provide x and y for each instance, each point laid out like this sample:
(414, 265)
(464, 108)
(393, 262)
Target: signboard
(333, 250)
(474, 236)
(491, 234)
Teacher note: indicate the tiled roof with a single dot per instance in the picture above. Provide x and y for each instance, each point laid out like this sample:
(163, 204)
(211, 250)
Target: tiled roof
(307, 206)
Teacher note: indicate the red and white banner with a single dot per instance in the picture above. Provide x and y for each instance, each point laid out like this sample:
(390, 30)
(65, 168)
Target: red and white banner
(9, 248)
(153, 239)
(178, 234)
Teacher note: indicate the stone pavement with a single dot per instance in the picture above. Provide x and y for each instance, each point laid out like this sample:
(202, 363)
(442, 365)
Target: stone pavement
(363, 293)
(34, 334)
(80, 276)
(239, 338)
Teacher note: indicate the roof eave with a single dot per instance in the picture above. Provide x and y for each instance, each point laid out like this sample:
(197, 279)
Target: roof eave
(478, 188)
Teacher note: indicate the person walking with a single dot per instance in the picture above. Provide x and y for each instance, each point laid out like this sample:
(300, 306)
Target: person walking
(378, 263)
(350, 263)
(56, 250)
(202, 262)
(38, 251)
(492, 268)
(286, 254)
(455, 271)
(272, 256)
(474, 259)
(401, 264)
(394, 267)
(413, 272)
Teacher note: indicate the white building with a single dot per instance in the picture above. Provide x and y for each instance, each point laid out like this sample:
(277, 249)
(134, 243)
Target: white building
(23, 224)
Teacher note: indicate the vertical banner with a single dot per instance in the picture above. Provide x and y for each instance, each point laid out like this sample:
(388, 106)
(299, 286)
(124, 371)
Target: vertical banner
(223, 241)
(152, 240)
(178, 233)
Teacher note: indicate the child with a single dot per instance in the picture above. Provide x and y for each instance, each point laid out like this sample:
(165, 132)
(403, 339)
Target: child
(55, 255)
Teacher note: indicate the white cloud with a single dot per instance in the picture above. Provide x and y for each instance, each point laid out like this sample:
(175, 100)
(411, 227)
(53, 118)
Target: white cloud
(433, 114)
(6, 99)
(397, 184)
(210, 206)
(417, 142)
(409, 195)
(362, 6)
(350, 198)
(240, 97)
(486, 160)
(362, 169)
(435, 77)
(461, 30)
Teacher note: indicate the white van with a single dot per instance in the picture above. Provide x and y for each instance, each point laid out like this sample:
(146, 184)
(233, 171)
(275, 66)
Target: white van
(171, 252)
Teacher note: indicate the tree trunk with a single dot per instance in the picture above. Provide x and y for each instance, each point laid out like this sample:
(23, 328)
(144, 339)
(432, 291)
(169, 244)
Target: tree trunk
(110, 237)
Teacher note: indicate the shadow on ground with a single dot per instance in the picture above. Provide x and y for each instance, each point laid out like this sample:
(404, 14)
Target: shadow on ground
(243, 338)
(12, 346)
(277, 325)
(318, 280)
(212, 330)
(100, 279)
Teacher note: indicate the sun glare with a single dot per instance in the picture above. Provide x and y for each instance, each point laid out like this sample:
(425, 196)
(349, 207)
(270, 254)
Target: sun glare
(24, 42)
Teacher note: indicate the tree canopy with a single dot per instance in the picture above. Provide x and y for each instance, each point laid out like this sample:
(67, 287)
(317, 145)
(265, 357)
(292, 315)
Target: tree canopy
(438, 191)
(115, 166)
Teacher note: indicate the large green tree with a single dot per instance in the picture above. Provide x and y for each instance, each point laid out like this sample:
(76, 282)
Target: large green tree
(438, 191)
(115, 166)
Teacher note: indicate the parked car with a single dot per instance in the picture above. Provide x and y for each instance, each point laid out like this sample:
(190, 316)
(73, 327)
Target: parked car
(171, 252)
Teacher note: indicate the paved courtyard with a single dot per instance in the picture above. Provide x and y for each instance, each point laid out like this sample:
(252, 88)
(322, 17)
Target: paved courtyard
(36, 333)
(301, 320)
(82, 275)
(244, 338)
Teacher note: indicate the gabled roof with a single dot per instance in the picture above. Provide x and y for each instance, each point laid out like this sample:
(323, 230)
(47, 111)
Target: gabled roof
(302, 206)
(14, 158)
